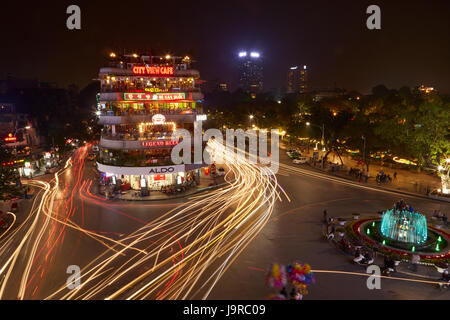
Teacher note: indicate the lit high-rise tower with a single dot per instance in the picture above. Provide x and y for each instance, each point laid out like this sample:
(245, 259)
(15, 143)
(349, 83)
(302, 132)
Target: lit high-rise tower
(250, 71)
(297, 78)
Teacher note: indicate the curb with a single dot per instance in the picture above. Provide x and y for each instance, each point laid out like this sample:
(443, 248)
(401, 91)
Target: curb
(418, 195)
(181, 195)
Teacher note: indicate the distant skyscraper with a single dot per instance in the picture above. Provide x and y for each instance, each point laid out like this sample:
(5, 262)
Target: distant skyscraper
(250, 72)
(297, 78)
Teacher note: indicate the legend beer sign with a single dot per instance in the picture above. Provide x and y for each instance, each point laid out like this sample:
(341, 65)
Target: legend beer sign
(166, 143)
(154, 71)
(139, 96)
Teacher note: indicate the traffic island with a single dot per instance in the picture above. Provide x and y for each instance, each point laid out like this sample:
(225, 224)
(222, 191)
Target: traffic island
(373, 232)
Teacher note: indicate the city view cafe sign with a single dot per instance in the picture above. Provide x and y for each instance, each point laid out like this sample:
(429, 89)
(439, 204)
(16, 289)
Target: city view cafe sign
(153, 71)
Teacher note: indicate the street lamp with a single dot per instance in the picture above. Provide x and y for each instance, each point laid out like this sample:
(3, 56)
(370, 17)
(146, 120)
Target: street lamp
(322, 128)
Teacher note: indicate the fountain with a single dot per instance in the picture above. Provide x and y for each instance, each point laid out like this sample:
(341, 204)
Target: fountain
(404, 226)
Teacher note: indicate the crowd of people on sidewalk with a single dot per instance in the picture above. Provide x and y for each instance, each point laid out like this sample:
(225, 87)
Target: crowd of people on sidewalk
(440, 216)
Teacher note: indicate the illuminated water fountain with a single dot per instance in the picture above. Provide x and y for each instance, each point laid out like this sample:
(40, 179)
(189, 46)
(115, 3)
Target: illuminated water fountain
(404, 226)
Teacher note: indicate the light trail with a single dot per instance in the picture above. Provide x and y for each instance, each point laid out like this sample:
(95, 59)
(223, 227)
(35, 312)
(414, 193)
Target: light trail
(214, 228)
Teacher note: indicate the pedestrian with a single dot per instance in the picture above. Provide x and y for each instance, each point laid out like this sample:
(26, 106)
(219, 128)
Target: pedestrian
(415, 259)
(325, 216)
(428, 190)
(395, 175)
(444, 219)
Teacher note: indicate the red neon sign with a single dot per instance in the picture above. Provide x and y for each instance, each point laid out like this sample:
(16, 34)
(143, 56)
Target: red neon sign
(11, 139)
(153, 71)
(166, 143)
(154, 96)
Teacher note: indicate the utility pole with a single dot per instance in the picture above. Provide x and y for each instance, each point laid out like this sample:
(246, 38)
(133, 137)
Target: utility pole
(364, 154)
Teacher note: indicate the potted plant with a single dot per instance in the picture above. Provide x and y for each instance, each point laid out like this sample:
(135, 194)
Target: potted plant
(397, 259)
(355, 216)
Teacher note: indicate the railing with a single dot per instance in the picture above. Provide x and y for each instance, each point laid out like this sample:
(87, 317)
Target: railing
(107, 89)
(132, 112)
(135, 162)
(136, 136)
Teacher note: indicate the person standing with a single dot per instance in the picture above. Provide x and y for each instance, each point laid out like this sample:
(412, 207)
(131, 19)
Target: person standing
(395, 175)
(325, 216)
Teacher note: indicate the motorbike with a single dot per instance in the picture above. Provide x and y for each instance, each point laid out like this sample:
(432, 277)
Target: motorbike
(363, 260)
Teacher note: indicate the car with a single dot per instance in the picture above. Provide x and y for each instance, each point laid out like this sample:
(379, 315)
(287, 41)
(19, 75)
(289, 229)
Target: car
(300, 160)
(295, 155)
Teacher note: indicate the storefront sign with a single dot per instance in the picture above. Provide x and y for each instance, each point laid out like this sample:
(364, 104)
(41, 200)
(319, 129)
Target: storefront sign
(159, 170)
(141, 170)
(201, 117)
(158, 119)
(153, 71)
(156, 90)
(154, 96)
(166, 143)
(159, 177)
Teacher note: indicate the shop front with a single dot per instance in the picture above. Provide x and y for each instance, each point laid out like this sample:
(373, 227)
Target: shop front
(149, 178)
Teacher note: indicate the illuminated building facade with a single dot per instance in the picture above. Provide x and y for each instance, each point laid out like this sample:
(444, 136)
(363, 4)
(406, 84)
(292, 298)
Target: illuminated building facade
(250, 72)
(297, 78)
(143, 100)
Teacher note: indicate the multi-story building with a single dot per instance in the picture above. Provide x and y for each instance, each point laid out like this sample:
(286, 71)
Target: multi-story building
(18, 133)
(143, 99)
(297, 78)
(250, 72)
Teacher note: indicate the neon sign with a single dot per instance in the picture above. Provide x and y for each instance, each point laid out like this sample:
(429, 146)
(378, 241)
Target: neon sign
(156, 90)
(167, 143)
(11, 139)
(154, 96)
(153, 71)
(158, 119)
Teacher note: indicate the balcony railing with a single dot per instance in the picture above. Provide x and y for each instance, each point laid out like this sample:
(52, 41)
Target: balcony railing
(132, 112)
(119, 88)
(136, 161)
(137, 136)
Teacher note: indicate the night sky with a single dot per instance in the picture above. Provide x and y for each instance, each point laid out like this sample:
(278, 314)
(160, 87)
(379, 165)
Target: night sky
(331, 37)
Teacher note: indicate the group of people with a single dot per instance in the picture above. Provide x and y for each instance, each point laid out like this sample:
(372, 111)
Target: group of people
(294, 295)
(383, 177)
(358, 173)
(402, 206)
(438, 215)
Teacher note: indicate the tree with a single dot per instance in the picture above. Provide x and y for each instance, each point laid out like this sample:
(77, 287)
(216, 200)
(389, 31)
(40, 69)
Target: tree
(9, 178)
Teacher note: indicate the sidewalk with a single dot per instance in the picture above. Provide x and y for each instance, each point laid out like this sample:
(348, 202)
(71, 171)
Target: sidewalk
(205, 184)
(406, 180)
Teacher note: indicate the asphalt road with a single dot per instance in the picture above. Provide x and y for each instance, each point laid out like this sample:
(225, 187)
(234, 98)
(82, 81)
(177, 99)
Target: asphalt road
(294, 232)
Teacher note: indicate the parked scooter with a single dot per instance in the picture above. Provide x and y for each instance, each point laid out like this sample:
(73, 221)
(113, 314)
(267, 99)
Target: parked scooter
(364, 259)
(389, 266)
